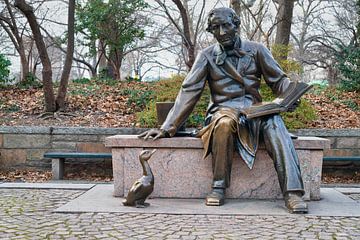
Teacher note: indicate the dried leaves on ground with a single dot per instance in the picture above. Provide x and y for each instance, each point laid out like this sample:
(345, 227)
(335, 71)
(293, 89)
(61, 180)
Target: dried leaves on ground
(33, 176)
(95, 104)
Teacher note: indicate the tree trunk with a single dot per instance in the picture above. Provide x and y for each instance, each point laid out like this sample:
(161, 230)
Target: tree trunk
(28, 11)
(187, 40)
(236, 5)
(284, 20)
(60, 100)
(25, 71)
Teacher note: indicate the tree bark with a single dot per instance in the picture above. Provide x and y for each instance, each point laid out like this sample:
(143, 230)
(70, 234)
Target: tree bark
(60, 99)
(187, 41)
(25, 70)
(11, 28)
(28, 11)
(236, 5)
(284, 20)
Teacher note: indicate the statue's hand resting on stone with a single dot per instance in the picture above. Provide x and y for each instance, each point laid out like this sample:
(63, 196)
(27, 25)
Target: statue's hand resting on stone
(153, 134)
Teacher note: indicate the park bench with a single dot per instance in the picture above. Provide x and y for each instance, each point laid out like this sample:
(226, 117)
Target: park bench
(58, 160)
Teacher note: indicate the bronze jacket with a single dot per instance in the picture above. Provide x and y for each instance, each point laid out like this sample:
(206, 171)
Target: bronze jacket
(234, 83)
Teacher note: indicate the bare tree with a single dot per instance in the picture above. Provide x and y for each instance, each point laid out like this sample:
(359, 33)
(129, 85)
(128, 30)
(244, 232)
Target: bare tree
(28, 11)
(9, 22)
(320, 30)
(188, 28)
(51, 105)
(60, 99)
(284, 18)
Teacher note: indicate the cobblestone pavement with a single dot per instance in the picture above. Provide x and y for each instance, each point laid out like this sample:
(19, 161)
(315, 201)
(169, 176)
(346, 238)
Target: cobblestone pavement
(27, 214)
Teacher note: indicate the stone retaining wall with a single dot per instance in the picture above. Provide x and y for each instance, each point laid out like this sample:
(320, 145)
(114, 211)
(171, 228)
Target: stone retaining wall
(343, 142)
(25, 146)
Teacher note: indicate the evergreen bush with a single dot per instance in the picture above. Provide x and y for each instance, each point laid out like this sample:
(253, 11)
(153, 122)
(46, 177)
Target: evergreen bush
(4, 70)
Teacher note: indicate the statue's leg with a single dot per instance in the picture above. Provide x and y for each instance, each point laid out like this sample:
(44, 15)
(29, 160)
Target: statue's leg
(280, 147)
(222, 147)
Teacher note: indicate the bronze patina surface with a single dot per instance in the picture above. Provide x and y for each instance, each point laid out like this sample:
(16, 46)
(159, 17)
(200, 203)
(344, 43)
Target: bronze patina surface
(233, 68)
(144, 186)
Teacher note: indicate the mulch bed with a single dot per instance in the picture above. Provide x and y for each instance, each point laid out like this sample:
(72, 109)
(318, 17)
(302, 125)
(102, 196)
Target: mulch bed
(87, 175)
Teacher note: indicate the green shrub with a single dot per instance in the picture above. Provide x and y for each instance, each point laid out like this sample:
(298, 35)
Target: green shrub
(138, 97)
(349, 66)
(30, 82)
(81, 80)
(351, 104)
(303, 115)
(10, 108)
(166, 90)
(288, 65)
(4, 70)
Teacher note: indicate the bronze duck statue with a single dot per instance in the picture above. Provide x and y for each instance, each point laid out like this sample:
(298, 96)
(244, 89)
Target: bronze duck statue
(144, 186)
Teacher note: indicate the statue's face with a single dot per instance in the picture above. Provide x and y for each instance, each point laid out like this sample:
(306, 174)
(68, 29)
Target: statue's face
(223, 29)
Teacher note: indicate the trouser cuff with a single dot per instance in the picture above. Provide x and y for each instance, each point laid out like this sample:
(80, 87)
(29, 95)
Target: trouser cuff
(219, 184)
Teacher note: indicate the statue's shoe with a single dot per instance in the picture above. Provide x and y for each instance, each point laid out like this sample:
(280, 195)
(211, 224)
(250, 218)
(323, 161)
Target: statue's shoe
(216, 198)
(295, 204)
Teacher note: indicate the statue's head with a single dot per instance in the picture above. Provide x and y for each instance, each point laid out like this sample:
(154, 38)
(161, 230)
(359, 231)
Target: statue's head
(223, 23)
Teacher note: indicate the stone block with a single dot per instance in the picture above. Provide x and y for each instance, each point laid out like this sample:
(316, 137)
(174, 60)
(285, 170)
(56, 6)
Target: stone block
(1, 140)
(92, 147)
(12, 157)
(119, 157)
(348, 142)
(180, 171)
(339, 152)
(75, 138)
(26, 141)
(68, 146)
(35, 154)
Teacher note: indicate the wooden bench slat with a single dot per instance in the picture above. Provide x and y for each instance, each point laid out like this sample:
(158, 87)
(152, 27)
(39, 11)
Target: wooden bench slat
(77, 155)
(342, 158)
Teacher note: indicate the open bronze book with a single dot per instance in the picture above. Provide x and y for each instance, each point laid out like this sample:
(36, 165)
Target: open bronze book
(279, 104)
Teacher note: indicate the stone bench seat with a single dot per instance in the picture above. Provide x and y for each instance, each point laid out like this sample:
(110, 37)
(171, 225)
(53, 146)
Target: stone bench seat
(181, 172)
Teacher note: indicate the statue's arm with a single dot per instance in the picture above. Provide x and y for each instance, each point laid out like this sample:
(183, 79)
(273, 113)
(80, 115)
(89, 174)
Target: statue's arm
(273, 75)
(185, 102)
(189, 94)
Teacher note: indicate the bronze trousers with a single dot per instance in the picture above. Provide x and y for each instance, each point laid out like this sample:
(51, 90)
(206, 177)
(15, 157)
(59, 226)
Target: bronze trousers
(278, 144)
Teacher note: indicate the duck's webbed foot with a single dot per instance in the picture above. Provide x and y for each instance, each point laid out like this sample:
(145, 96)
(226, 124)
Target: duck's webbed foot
(141, 204)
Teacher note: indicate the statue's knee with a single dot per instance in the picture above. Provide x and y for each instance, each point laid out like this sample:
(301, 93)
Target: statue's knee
(225, 125)
(274, 122)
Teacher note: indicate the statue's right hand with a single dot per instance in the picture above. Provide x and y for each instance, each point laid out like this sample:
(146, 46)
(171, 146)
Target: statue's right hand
(153, 134)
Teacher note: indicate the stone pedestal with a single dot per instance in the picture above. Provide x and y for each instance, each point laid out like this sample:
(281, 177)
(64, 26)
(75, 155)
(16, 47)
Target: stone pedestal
(181, 172)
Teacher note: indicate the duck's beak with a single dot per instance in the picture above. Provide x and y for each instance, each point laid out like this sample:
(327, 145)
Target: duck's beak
(153, 151)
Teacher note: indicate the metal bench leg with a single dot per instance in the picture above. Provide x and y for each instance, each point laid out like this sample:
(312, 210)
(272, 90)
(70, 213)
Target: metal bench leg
(57, 166)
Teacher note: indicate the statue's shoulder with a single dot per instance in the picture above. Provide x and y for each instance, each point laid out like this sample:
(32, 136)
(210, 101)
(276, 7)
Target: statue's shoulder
(252, 46)
(209, 51)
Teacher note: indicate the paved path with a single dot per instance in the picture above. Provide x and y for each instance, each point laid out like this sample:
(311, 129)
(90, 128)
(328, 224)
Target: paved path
(27, 214)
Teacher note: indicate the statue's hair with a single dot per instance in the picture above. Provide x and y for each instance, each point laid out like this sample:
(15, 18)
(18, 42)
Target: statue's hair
(223, 10)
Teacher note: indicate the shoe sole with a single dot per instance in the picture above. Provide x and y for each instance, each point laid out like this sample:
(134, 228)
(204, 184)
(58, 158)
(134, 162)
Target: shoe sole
(299, 211)
(220, 203)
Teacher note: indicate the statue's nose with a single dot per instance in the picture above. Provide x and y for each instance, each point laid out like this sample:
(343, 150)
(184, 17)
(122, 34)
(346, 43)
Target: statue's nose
(222, 30)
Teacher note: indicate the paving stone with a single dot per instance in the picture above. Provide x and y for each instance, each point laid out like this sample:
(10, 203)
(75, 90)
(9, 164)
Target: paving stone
(27, 214)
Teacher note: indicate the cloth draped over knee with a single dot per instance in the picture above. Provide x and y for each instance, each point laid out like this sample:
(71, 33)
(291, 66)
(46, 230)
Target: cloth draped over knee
(247, 134)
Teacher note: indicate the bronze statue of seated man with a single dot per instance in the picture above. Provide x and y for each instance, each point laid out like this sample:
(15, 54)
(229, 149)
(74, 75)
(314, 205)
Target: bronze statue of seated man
(233, 68)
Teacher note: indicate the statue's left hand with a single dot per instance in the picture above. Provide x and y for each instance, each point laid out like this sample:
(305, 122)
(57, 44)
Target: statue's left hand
(294, 106)
(154, 134)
